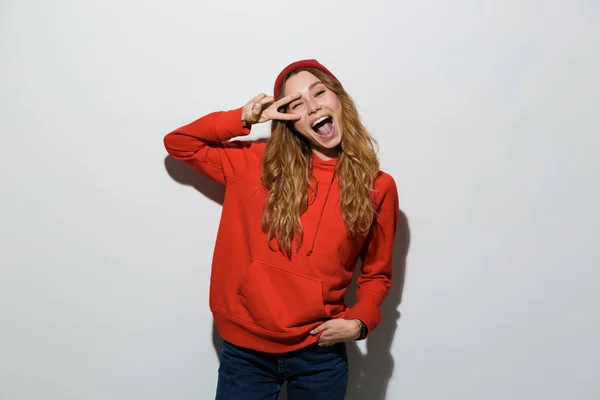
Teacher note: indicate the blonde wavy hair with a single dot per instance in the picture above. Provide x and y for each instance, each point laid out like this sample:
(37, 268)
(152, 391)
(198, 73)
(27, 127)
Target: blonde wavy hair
(287, 172)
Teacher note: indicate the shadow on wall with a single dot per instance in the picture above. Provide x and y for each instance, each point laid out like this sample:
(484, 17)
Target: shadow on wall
(186, 175)
(369, 373)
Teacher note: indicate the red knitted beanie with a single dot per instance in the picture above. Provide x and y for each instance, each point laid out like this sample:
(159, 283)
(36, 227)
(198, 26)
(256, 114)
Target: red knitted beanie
(310, 63)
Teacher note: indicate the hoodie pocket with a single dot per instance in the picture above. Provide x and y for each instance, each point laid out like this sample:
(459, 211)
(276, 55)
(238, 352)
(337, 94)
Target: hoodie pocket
(278, 300)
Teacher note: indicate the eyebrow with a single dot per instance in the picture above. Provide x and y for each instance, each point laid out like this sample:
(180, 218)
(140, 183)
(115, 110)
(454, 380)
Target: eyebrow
(312, 85)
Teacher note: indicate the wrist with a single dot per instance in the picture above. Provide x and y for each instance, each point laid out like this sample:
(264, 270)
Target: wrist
(362, 329)
(244, 119)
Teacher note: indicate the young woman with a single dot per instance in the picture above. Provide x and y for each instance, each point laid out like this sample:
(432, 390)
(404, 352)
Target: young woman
(300, 210)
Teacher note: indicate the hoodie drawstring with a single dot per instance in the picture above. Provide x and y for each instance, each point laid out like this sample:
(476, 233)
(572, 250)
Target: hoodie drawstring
(312, 247)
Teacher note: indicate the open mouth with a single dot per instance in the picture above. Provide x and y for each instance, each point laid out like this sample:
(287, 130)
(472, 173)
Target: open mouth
(323, 126)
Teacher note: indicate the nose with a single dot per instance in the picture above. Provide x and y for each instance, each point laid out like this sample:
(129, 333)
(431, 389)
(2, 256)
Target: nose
(312, 106)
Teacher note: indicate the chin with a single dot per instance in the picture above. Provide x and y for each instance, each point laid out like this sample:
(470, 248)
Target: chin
(329, 144)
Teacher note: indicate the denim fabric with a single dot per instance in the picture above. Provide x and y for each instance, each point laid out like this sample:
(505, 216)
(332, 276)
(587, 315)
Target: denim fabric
(313, 373)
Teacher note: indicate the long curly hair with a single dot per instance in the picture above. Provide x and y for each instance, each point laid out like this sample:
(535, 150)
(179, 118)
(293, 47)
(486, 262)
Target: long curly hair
(287, 173)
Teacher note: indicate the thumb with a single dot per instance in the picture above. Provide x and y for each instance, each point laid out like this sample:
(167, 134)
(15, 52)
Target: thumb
(320, 328)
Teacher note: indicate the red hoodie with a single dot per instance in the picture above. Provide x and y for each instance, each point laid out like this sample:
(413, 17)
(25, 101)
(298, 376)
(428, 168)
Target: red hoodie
(259, 298)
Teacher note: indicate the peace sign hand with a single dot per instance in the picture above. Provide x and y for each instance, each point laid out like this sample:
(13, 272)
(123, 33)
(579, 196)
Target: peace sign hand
(263, 108)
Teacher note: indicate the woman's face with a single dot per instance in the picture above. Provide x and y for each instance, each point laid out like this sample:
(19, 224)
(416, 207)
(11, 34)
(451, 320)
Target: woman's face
(320, 113)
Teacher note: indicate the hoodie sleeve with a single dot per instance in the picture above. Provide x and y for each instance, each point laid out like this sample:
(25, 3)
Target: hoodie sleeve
(205, 145)
(375, 279)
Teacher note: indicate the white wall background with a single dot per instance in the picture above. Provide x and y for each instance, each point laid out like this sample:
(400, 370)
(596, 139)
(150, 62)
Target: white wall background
(487, 117)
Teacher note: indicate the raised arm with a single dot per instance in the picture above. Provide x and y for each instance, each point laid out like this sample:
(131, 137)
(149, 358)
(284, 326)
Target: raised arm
(206, 143)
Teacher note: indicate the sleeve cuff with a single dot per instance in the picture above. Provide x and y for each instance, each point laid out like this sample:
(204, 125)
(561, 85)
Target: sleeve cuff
(369, 315)
(231, 125)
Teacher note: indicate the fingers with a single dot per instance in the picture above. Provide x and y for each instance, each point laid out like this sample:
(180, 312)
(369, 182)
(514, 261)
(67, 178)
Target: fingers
(320, 328)
(249, 112)
(266, 100)
(263, 99)
(263, 108)
(256, 110)
(259, 105)
(262, 102)
(287, 99)
(287, 117)
(284, 101)
(257, 98)
(329, 340)
(335, 331)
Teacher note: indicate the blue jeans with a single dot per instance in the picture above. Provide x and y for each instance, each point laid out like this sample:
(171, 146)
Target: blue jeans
(313, 373)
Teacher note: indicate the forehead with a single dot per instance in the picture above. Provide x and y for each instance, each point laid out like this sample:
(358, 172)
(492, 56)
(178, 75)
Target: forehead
(300, 82)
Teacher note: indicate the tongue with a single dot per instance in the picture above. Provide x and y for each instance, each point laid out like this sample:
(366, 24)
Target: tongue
(325, 129)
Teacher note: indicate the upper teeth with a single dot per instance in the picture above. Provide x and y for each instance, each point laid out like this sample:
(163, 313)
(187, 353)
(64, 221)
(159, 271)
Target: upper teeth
(319, 121)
